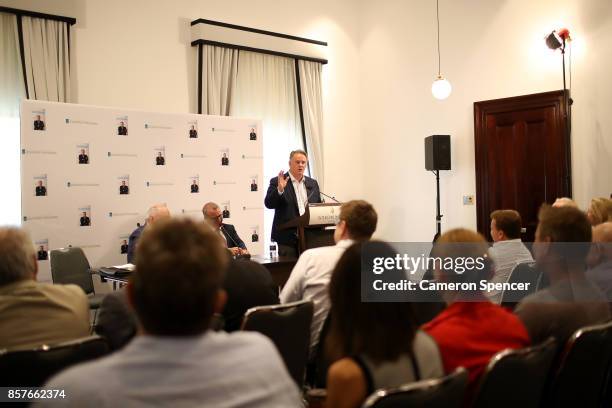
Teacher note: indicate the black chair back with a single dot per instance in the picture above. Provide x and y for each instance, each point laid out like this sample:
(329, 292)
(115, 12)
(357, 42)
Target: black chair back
(32, 368)
(288, 326)
(581, 376)
(70, 265)
(522, 273)
(516, 378)
(445, 392)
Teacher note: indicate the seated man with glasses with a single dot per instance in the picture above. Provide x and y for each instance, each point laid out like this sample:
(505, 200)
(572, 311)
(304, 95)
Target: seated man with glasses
(214, 217)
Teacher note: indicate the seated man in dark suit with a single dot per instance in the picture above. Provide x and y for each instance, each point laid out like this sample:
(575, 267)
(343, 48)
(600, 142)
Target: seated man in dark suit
(85, 221)
(252, 135)
(41, 190)
(214, 217)
(226, 213)
(123, 188)
(83, 157)
(155, 213)
(253, 186)
(39, 124)
(124, 247)
(254, 237)
(122, 130)
(160, 160)
(193, 133)
(288, 195)
(194, 187)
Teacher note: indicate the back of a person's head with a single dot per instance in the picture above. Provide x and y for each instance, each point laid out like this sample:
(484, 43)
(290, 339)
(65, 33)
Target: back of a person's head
(566, 227)
(461, 255)
(179, 272)
(508, 221)
(564, 202)
(600, 210)
(380, 330)
(360, 218)
(17, 258)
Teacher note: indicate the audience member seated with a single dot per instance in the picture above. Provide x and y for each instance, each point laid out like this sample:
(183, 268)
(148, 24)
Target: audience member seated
(248, 284)
(599, 211)
(155, 213)
(507, 250)
(310, 276)
(373, 344)
(214, 217)
(471, 329)
(599, 260)
(564, 202)
(571, 301)
(33, 313)
(116, 321)
(175, 360)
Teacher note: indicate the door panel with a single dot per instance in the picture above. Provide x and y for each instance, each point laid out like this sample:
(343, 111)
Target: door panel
(522, 156)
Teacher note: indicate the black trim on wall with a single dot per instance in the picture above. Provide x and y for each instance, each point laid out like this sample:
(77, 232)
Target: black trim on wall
(260, 50)
(301, 109)
(256, 30)
(22, 52)
(200, 67)
(19, 12)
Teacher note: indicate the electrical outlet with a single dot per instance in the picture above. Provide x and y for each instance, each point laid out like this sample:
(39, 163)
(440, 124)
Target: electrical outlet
(468, 200)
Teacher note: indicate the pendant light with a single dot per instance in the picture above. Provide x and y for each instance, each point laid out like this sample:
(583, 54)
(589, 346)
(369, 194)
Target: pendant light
(441, 88)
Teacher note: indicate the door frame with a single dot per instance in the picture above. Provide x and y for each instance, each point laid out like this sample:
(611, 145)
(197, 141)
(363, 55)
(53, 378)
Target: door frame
(557, 99)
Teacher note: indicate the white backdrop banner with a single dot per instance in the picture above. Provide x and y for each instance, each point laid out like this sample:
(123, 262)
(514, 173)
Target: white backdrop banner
(89, 174)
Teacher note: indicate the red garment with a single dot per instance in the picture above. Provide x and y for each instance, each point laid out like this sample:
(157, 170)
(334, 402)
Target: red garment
(470, 333)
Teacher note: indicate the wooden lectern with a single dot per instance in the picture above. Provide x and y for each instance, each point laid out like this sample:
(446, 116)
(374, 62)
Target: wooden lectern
(312, 225)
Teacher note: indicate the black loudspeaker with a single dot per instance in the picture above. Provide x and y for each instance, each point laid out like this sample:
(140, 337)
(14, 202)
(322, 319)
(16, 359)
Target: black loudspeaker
(437, 152)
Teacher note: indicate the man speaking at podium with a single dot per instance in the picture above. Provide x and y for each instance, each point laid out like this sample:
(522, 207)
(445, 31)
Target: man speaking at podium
(288, 194)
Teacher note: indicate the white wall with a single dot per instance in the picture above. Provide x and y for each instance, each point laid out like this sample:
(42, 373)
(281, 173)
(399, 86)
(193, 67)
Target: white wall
(490, 49)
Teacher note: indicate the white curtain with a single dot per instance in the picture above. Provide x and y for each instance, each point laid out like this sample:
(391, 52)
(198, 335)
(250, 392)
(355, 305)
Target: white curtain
(219, 79)
(266, 89)
(12, 90)
(45, 44)
(312, 109)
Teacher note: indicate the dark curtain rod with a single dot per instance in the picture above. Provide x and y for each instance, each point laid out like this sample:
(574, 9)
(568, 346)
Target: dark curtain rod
(69, 20)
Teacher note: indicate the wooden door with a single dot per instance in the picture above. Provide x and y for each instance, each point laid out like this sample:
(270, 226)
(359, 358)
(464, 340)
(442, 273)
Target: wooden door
(522, 156)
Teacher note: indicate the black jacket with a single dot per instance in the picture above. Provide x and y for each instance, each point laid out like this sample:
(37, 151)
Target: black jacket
(233, 240)
(286, 207)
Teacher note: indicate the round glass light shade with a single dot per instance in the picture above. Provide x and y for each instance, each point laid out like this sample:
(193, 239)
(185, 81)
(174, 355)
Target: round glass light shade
(441, 88)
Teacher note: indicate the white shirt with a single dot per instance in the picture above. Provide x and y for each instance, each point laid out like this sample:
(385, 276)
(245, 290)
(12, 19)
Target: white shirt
(309, 280)
(217, 369)
(506, 255)
(300, 192)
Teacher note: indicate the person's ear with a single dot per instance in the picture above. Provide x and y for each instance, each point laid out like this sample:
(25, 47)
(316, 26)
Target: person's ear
(129, 290)
(35, 268)
(220, 301)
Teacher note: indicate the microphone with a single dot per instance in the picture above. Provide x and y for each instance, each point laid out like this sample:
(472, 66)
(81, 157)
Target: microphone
(228, 235)
(328, 196)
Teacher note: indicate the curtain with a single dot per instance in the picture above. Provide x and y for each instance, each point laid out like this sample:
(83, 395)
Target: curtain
(312, 109)
(266, 89)
(219, 82)
(45, 44)
(12, 90)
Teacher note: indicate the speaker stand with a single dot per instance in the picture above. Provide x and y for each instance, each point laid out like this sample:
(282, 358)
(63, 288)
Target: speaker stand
(438, 215)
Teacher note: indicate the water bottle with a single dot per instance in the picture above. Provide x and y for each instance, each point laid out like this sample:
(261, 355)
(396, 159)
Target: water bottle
(273, 250)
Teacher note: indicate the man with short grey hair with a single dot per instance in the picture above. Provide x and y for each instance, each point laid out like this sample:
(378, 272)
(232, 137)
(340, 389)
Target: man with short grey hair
(155, 212)
(214, 218)
(35, 313)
